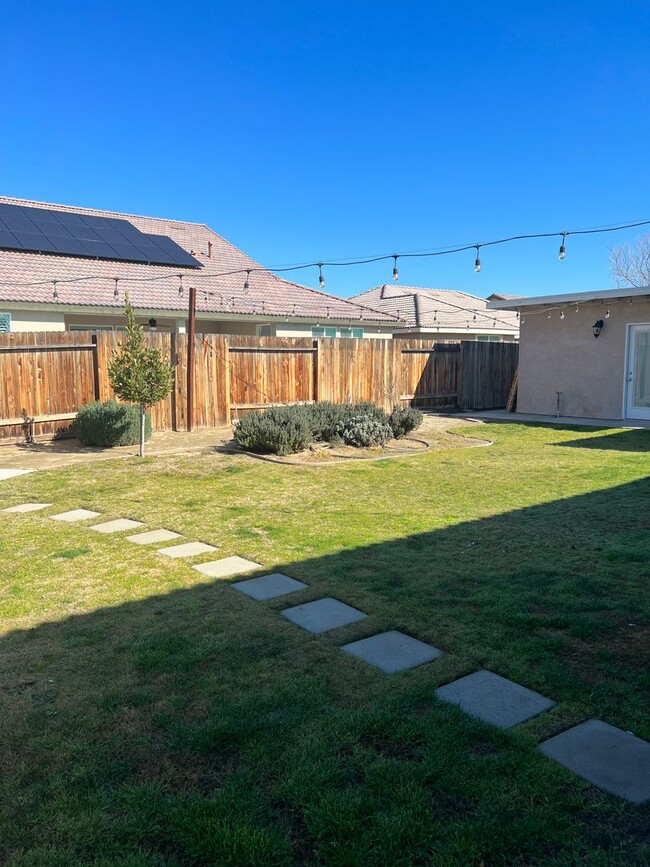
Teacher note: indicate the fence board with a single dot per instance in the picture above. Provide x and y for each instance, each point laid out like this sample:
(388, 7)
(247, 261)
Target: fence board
(487, 373)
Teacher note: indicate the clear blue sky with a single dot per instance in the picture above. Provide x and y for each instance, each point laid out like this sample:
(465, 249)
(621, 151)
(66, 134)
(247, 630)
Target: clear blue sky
(315, 130)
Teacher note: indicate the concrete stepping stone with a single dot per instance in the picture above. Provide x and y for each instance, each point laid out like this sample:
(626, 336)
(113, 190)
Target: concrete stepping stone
(117, 526)
(610, 758)
(323, 615)
(494, 699)
(187, 549)
(27, 507)
(11, 474)
(392, 651)
(269, 586)
(226, 567)
(75, 515)
(152, 537)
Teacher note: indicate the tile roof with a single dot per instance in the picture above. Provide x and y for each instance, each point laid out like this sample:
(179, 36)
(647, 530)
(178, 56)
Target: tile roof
(441, 309)
(267, 296)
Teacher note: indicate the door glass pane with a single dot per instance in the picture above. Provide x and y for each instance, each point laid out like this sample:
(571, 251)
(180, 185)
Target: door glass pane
(642, 369)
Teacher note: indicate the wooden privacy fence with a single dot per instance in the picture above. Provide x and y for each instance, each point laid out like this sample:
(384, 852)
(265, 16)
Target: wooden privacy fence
(47, 376)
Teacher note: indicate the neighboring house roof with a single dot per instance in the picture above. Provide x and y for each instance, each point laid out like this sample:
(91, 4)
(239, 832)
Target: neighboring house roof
(220, 294)
(437, 309)
(570, 298)
(501, 296)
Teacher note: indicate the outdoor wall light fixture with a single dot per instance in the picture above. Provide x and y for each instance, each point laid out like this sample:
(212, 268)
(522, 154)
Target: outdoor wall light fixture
(153, 324)
(597, 327)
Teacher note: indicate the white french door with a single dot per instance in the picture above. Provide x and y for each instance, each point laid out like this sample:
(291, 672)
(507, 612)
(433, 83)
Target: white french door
(637, 395)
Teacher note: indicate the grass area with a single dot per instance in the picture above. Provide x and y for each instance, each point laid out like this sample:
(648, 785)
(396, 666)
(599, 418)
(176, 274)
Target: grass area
(153, 717)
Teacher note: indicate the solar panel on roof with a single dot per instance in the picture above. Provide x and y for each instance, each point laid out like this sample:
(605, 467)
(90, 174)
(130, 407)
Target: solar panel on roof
(42, 230)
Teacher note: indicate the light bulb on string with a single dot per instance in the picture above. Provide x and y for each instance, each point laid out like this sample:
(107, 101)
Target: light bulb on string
(562, 252)
(246, 283)
(116, 291)
(576, 308)
(395, 271)
(181, 290)
(474, 317)
(607, 313)
(321, 279)
(561, 314)
(55, 291)
(523, 319)
(548, 315)
(477, 261)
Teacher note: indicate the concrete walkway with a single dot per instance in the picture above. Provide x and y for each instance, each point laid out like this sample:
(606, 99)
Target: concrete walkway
(518, 417)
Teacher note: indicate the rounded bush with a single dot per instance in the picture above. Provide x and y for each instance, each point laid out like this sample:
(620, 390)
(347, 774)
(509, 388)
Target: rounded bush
(403, 420)
(364, 430)
(278, 431)
(110, 424)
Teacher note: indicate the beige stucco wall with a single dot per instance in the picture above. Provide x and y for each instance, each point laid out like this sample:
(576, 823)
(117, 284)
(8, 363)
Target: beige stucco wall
(34, 320)
(563, 355)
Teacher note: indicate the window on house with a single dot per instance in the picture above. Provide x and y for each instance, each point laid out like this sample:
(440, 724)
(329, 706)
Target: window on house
(96, 328)
(320, 331)
(264, 330)
(5, 323)
(489, 338)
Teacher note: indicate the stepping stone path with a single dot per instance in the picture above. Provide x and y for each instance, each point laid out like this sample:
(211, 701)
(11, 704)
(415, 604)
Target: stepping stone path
(392, 651)
(323, 615)
(28, 507)
(119, 525)
(269, 586)
(227, 567)
(610, 758)
(187, 549)
(494, 699)
(152, 537)
(11, 474)
(75, 515)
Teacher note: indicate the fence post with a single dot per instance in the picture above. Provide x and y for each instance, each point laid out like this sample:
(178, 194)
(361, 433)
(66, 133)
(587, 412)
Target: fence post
(96, 391)
(316, 363)
(226, 369)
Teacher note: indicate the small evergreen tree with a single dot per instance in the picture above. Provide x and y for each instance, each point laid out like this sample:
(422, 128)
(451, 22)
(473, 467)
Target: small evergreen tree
(137, 372)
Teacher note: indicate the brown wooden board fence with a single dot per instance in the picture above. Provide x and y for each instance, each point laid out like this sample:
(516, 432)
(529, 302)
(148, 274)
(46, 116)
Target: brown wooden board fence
(47, 376)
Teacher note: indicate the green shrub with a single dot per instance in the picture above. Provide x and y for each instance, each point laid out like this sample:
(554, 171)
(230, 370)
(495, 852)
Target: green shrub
(364, 430)
(328, 418)
(403, 420)
(279, 431)
(110, 424)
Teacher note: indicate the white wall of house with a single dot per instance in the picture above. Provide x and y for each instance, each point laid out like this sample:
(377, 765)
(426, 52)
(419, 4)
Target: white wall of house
(34, 320)
(300, 329)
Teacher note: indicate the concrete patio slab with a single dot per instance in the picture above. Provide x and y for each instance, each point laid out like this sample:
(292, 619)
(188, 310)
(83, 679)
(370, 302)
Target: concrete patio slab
(392, 651)
(610, 758)
(28, 507)
(269, 586)
(75, 515)
(188, 549)
(119, 525)
(227, 566)
(8, 473)
(323, 615)
(494, 699)
(152, 537)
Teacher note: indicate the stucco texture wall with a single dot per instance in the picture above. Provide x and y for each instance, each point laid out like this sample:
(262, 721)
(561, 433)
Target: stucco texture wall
(563, 355)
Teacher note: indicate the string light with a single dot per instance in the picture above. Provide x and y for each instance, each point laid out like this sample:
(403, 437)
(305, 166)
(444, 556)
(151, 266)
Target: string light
(477, 261)
(561, 314)
(607, 313)
(116, 291)
(181, 290)
(548, 315)
(576, 308)
(321, 279)
(395, 271)
(55, 291)
(246, 281)
(562, 252)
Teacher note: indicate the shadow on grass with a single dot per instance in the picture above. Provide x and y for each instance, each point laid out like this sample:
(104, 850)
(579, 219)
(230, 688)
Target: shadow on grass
(200, 727)
(621, 441)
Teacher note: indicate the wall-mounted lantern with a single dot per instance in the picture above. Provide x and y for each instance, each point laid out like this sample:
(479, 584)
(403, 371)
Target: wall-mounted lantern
(597, 327)
(153, 324)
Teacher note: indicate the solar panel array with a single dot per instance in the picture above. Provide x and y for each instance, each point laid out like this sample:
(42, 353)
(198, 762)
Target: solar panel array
(40, 230)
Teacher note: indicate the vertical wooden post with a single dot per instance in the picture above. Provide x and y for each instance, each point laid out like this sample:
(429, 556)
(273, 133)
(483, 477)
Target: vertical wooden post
(226, 375)
(191, 330)
(315, 362)
(95, 367)
(174, 362)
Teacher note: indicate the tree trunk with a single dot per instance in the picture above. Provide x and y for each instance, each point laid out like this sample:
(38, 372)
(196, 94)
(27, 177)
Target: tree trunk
(143, 413)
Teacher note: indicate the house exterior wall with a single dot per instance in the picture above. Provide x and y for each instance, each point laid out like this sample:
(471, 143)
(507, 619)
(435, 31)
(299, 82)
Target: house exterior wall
(434, 334)
(34, 320)
(301, 329)
(562, 355)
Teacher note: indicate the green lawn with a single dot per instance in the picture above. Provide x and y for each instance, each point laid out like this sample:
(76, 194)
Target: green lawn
(151, 716)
